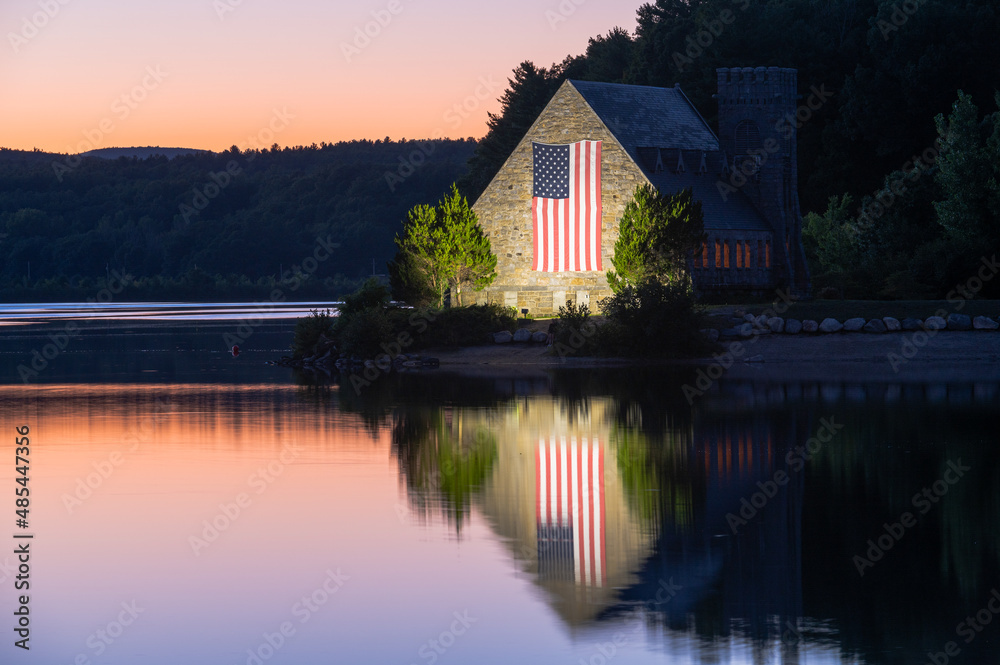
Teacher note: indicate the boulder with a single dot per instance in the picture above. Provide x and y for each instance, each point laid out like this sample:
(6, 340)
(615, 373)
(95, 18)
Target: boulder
(746, 330)
(911, 324)
(854, 325)
(935, 323)
(776, 324)
(875, 326)
(891, 324)
(793, 326)
(503, 337)
(749, 318)
(959, 322)
(810, 326)
(541, 337)
(711, 334)
(984, 323)
(831, 326)
(761, 322)
(522, 335)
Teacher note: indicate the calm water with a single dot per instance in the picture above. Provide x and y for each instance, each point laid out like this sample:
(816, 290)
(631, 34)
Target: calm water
(192, 507)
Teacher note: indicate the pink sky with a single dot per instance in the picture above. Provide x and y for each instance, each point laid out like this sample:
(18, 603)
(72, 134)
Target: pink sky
(212, 73)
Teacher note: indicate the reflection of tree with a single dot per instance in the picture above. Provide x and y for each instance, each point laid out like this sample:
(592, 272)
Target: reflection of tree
(660, 484)
(940, 570)
(443, 458)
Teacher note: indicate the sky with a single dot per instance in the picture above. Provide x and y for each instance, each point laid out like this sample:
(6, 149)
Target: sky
(76, 75)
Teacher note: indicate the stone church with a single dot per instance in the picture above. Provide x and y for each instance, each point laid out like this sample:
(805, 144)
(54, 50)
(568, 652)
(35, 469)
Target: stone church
(746, 179)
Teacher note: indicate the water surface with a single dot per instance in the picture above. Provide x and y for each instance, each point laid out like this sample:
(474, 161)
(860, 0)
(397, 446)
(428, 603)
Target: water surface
(560, 516)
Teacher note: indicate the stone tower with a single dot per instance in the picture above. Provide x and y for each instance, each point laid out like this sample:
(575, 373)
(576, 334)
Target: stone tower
(757, 133)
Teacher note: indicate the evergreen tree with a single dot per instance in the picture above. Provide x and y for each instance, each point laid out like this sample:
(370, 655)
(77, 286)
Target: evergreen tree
(422, 254)
(657, 234)
(470, 251)
(442, 247)
(968, 173)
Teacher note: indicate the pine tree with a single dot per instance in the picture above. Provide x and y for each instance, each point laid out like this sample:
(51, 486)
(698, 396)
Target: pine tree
(657, 234)
(967, 172)
(441, 248)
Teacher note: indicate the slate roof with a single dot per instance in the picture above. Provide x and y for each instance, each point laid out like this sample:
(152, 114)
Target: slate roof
(644, 119)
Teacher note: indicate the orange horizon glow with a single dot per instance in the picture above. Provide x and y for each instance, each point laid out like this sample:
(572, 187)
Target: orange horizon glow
(209, 74)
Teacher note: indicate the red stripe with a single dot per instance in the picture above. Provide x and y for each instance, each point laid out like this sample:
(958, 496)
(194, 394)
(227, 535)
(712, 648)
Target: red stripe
(564, 245)
(600, 488)
(558, 485)
(597, 187)
(585, 244)
(538, 484)
(548, 470)
(580, 503)
(590, 516)
(585, 218)
(537, 233)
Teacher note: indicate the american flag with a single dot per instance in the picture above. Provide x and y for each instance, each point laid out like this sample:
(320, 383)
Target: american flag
(570, 514)
(566, 206)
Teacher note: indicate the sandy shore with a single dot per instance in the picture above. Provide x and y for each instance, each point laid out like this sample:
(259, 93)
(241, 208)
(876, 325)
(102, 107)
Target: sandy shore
(948, 356)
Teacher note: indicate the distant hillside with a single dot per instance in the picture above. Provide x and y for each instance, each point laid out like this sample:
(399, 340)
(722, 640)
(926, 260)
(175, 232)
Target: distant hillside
(208, 225)
(140, 153)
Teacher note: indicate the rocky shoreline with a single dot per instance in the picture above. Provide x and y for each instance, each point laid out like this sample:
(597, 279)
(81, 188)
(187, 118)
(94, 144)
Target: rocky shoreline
(746, 325)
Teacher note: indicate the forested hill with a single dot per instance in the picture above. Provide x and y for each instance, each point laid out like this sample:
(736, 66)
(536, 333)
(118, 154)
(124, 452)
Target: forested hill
(212, 225)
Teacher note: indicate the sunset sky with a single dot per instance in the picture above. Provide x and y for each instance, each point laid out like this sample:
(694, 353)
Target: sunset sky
(212, 73)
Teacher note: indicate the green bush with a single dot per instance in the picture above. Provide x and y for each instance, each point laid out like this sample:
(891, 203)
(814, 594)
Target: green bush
(652, 319)
(574, 333)
(311, 331)
(463, 326)
(364, 333)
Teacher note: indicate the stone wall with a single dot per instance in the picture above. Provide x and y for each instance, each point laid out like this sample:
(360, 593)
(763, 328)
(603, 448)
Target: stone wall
(504, 211)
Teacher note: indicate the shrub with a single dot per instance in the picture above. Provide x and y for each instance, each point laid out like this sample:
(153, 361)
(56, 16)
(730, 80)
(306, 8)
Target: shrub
(311, 331)
(574, 332)
(652, 319)
(464, 326)
(364, 333)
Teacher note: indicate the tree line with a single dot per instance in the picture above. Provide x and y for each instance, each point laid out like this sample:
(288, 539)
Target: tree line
(212, 225)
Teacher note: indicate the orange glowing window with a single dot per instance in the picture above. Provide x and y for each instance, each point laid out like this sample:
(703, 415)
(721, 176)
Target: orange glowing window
(746, 258)
(718, 255)
(767, 255)
(739, 253)
(726, 245)
(704, 255)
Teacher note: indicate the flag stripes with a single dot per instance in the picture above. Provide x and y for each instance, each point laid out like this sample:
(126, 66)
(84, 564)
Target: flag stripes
(566, 207)
(570, 512)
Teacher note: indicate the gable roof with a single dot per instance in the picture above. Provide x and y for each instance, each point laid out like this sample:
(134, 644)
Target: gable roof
(640, 115)
(664, 121)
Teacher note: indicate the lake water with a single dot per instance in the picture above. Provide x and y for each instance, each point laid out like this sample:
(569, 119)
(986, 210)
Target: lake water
(188, 506)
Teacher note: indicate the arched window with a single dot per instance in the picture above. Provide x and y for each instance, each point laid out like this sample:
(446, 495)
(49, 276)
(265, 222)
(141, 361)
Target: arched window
(748, 149)
(747, 138)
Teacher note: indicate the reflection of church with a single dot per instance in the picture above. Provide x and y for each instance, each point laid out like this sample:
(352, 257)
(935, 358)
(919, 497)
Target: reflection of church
(602, 525)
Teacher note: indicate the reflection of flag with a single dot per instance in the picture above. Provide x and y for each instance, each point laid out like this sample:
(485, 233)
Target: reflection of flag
(569, 484)
(566, 206)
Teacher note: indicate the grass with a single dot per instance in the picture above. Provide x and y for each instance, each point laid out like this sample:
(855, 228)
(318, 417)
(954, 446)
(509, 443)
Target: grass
(867, 309)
